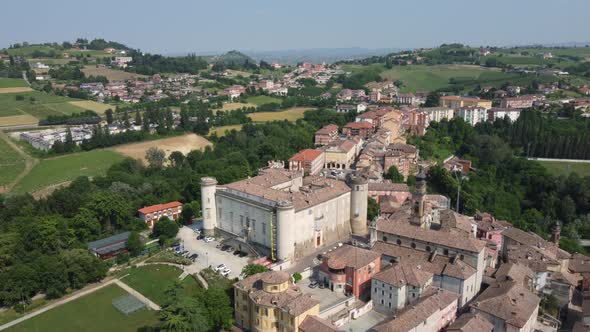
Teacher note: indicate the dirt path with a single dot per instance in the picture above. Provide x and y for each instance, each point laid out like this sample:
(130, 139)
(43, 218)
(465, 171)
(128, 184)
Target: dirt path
(30, 162)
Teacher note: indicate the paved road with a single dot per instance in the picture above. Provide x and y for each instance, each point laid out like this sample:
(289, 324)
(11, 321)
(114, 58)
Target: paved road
(58, 303)
(208, 254)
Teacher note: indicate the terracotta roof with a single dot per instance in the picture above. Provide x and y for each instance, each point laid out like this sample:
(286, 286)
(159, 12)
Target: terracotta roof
(343, 145)
(402, 274)
(579, 263)
(359, 125)
(564, 278)
(350, 256)
(508, 301)
(278, 277)
(452, 237)
(327, 129)
(469, 322)
(307, 155)
(537, 260)
(430, 262)
(515, 272)
(387, 186)
(411, 317)
(316, 324)
(159, 207)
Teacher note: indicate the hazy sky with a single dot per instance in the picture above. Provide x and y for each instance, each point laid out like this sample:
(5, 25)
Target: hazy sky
(172, 26)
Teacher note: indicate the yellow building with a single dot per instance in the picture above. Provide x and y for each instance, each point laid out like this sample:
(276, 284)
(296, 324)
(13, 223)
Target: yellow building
(340, 154)
(269, 301)
(455, 102)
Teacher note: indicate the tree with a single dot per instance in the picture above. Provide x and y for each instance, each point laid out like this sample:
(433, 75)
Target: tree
(155, 157)
(297, 277)
(184, 315)
(165, 229)
(372, 209)
(432, 100)
(394, 175)
(134, 244)
(111, 209)
(138, 121)
(252, 269)
(109, 115)
(219, 309)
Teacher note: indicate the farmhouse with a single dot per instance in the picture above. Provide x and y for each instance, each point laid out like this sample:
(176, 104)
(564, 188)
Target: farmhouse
(151, 214)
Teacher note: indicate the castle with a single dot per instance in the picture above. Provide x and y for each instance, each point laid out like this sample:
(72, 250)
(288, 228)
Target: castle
(284, 215)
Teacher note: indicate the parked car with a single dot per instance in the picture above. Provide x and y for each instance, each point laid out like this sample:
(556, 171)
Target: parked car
(225, 273)
(193, 256)
(220, 267)
(237, 252)
(313, 284)
(209, 239)
(223, 247)
(243, 254)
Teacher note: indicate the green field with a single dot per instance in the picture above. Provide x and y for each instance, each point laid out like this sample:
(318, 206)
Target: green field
(220, 131)
(11, 163)
(565, 168)
(261, 100)
(152, 280)
(91, 313)
(291, 114)
(12, 83)
(67, 168)
(41, 105)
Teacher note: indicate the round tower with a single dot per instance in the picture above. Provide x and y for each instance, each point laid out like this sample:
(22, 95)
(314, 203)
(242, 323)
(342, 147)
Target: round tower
(358, 205)
(285, 237)
(418, 201)
(208, 205)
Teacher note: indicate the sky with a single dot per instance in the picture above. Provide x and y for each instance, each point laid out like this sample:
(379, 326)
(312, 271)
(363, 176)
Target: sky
(214, 26)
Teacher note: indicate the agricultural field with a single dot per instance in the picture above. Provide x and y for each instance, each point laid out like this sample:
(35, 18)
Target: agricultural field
(99, 108)
(235, 106)
(261, 100)
(185, 144)
(220, 131)
(11, 164)
(53, 171)
(12, 83)
(291, 114)
(152, 281)
(110, 74)
(36, 104)
(565, 168)
(91, 313)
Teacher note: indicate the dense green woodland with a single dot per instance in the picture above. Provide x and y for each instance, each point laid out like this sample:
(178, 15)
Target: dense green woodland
(506, 184)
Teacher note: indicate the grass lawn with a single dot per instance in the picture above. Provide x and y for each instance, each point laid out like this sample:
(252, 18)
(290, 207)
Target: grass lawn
(290, 114)
(93, 312)
(11, 163)
(152, 281)
(220, 131)
(565, 168)
(67, 168)
(12, 83)
(261, 100)
(11, 314)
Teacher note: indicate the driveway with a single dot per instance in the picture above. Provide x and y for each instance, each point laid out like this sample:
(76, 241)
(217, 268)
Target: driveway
(209, 255)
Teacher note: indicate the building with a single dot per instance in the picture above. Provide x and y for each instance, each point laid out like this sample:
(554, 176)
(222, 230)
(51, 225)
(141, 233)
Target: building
(340, 154)
(234, 91)
(472, 114)
(349, 270)
(316, 324)
(362, 129)
(469, 322)
(408, 99)
(110, 246)
(282, 215)
(455, 102)
(509, 306)
(309, 161)
(151, 214)
(440, 240)
(432, 313)
(378, 190)
(456, 164)
(326, 135)
(345, 108)
(399, 285)
(269, 301)
(122, 61)
(518, 102)
(501, 113)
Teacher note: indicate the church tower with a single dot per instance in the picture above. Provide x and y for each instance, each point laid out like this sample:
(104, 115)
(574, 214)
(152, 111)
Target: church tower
(418, 217)
(556, 233)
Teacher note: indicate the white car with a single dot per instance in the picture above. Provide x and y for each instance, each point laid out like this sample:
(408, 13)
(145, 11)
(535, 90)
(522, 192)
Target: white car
(220, 267)
(208, 239)
(197, 231)
(225, 272)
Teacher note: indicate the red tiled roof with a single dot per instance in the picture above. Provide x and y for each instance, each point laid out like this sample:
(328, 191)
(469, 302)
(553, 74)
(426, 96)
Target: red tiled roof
(159, 207)
(359, 125)
(306, 155)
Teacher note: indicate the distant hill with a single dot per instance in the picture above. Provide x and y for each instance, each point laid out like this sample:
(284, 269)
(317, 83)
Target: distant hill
(317, 55)
(233, 58)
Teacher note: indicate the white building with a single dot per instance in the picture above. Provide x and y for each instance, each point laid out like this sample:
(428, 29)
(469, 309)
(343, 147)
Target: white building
(282, 215)
(472, 114)
(397, 286)
(437, 114)
(499, 113)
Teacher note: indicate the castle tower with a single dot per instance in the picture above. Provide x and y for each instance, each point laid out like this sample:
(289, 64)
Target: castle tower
(358, 205)
(418, 217)
(556, 233)
(208, 205)
(285, 238)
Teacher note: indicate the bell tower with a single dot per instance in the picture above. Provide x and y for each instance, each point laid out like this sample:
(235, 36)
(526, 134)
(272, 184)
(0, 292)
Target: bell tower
(418, 217)
(556, 233)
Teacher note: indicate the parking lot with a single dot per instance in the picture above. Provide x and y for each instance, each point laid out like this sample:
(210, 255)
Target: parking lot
(209, 255)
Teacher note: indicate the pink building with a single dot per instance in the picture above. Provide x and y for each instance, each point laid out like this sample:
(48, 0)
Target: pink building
(488, 228)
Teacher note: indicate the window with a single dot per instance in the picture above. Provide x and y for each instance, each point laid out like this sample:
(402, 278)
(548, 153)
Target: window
(446, 252)
(382, 302)
(461, 256)
(264, 228)
(253, 225)
(384, 238)
(382, 292)
(399, 242)
(413, 245)
(428, 248)
(490, 236)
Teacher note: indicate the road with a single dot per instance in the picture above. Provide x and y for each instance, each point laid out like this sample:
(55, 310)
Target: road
(209, 255)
